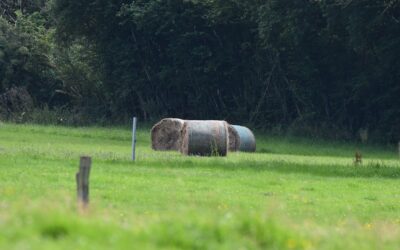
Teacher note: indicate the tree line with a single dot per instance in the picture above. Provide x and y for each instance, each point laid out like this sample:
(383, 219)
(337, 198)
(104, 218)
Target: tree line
(326, 68)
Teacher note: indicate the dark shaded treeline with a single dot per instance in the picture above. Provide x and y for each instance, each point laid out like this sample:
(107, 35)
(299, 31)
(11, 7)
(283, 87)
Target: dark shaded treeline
(328, 67)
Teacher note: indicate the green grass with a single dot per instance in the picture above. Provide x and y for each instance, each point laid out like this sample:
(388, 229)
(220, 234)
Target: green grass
(294, 193)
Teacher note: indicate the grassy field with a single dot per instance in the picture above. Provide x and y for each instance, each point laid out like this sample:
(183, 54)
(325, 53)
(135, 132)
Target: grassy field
(293, 193)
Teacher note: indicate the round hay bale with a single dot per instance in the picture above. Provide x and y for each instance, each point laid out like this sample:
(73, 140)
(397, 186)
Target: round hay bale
(234, 140)
(205, 138)
(247, 141)
(166, 134)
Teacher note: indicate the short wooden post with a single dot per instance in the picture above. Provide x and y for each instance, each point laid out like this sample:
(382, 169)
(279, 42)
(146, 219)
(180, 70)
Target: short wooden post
(82, 180)
(134, 138)
(358, 157)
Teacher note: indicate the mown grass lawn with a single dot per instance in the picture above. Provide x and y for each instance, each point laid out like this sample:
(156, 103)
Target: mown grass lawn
(292, 194)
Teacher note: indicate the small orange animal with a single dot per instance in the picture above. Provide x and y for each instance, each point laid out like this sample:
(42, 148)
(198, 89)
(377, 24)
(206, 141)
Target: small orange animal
(358, 157)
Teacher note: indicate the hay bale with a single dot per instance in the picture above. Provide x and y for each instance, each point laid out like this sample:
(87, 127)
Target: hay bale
(205, 138)
(166, 134)
(234, 140)
(247, 141)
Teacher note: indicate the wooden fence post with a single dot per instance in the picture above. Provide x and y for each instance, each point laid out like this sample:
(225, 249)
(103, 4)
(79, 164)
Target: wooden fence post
(82, 180)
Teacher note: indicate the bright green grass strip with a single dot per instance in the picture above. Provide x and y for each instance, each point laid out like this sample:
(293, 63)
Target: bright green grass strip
(303, 194)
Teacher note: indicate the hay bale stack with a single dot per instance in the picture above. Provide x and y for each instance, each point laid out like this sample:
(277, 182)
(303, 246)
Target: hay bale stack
(166, 134)
(205, 138)
(247, 141)
(234, 140)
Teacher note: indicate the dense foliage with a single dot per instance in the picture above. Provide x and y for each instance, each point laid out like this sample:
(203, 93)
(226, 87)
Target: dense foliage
(315, 67)
(24, 57)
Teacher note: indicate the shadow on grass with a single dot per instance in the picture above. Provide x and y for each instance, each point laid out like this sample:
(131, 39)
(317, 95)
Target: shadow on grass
(124, 166)
(351, 171)
(368, 170)
(320, 147)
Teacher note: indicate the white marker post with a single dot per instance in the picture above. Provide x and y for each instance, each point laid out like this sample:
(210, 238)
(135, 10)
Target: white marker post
(133, 138)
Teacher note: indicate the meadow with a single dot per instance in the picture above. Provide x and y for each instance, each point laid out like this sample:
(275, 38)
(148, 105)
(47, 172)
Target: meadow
(293, 193)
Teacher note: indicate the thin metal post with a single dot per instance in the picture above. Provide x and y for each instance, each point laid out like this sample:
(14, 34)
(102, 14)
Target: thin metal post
(133, 138)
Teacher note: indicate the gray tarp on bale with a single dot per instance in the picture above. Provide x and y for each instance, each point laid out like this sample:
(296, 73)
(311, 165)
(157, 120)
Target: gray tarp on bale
(205, 138)
(247, 141)
(166, 134)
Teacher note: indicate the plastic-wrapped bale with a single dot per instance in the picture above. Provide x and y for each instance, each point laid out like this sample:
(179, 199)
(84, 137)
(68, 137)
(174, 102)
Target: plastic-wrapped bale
(246, 139)
(205, 138)
(234, 140)
(166, 134)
